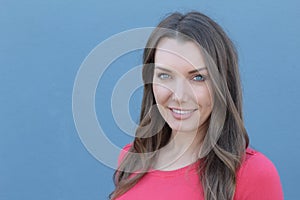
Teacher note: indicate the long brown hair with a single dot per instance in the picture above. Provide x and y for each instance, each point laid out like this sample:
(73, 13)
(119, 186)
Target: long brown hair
(226, 138)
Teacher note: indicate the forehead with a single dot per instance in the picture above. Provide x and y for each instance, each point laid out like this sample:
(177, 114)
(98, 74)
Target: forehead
(178, 54)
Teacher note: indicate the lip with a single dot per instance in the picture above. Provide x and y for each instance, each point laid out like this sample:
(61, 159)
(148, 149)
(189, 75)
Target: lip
(181, 114)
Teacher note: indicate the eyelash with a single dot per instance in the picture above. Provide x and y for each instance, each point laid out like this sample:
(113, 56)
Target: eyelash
(164, 76)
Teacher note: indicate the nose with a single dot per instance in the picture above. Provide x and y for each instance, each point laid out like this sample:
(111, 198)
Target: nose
(181, 91)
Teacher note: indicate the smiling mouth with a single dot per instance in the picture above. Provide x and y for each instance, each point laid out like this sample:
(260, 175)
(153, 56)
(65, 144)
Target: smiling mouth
(182, 112)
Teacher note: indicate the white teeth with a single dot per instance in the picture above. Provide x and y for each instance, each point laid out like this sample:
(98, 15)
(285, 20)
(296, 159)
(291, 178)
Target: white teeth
(182, 112)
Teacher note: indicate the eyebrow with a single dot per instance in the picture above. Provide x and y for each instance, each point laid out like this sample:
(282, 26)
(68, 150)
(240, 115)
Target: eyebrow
(190, 72)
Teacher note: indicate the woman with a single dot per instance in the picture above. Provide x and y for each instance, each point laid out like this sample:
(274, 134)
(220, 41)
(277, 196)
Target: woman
(191, 142)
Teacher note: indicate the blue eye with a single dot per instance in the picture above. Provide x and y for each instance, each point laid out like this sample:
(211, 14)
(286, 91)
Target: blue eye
(198, 78)
(164, 76)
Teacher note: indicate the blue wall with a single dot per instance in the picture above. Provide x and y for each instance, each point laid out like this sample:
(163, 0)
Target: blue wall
(42, 45)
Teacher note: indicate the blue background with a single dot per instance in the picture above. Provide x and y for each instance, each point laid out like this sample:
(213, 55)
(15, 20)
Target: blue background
(43, 43)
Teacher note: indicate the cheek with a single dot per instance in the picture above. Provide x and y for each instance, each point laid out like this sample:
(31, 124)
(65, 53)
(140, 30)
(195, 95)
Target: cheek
(161, 94)
(205, 99)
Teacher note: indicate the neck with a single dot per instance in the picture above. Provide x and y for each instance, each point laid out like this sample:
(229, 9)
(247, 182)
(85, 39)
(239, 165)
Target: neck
(182, 150)
(185, 143)
(182, 139)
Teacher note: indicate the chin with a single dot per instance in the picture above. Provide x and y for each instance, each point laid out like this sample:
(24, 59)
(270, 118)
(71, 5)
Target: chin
(183, 128)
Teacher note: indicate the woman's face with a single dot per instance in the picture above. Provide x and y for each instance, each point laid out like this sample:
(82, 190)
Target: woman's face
(181, 85)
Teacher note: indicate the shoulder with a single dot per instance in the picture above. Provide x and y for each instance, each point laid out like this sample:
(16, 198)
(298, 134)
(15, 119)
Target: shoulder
(123, 152)
(126, 148)
(257, 163)
(258, 178)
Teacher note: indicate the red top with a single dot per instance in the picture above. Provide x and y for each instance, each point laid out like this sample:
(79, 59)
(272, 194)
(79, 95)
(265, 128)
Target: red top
(257, 179)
